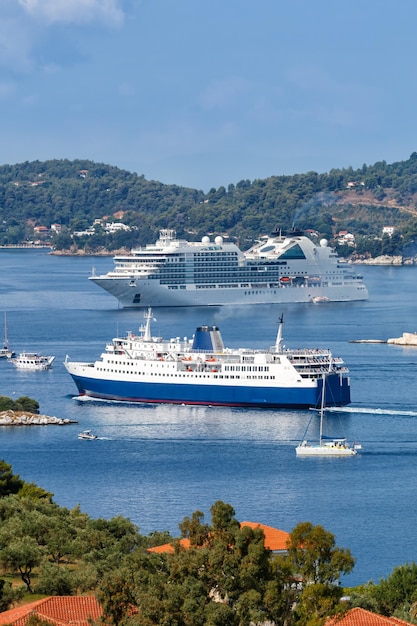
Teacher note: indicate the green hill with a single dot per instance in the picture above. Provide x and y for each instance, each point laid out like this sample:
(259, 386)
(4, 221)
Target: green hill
(75, 193)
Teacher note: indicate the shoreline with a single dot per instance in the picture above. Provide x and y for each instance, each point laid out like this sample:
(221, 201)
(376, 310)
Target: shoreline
(24, 418)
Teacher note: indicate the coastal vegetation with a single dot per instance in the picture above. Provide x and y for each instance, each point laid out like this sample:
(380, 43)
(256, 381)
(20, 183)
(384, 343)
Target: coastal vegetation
(21, 404)
(80, 194)
(225, 577)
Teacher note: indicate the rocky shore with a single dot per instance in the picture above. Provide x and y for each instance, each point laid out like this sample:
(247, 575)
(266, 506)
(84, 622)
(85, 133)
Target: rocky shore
(23, 418)
(407, 339)
(385, 260)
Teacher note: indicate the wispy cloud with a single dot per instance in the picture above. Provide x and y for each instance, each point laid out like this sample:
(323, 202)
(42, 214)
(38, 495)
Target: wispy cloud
(74, 11)
(15, 44)
(28, 29)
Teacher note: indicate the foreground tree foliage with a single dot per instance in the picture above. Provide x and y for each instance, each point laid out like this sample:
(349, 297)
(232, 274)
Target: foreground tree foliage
(227, 577)
(54, 550)
(9, 482)
(394, 596)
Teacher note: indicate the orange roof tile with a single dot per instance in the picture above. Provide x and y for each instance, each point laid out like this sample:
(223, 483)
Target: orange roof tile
(169, 547)
(59, 610)
(361, 617)
(275, 540)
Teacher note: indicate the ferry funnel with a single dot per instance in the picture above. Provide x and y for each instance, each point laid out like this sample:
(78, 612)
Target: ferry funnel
(208, 339)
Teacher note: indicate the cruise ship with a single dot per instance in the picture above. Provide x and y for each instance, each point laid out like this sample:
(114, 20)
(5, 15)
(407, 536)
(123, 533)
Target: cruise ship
(201, 371)
(283, 267)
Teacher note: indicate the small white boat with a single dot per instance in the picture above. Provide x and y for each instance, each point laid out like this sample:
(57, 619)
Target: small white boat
(320, 299)
(326, 446)
(87, 434)
(32, 361)
(6, 352)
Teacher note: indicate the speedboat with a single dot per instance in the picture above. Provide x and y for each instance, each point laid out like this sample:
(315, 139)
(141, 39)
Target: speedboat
(87, 434)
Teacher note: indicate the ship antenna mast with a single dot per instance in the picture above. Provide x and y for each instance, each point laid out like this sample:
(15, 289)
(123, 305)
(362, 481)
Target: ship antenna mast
(147, 333)
(278, 342)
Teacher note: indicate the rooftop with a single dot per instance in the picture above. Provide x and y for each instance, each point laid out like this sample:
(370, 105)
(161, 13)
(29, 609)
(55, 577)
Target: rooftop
(361, 617)
(275, 539)
(58, 610)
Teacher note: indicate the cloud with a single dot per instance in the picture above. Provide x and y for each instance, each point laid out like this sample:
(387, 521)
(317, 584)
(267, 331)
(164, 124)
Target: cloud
(74, 11)
(15, 45)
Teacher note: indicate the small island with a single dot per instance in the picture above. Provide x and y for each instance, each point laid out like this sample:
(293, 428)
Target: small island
(25, 412)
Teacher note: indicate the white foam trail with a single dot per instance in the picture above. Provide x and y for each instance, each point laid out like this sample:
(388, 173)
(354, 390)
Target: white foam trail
(379, 411)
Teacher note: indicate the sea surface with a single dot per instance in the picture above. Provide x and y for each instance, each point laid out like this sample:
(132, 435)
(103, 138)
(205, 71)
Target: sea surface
(157, 464)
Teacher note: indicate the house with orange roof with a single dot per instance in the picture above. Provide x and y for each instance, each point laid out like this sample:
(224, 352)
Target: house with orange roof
(275, 540)
(58, 610)
(361, 617)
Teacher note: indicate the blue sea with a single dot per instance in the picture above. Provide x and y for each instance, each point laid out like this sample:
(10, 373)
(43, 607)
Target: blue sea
(157, 464)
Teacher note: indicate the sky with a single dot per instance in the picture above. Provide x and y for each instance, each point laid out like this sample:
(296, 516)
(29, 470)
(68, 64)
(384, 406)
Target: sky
(205, 93)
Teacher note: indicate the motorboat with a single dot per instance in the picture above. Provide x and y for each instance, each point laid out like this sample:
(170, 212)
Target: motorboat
(87, 434)
(32, 361)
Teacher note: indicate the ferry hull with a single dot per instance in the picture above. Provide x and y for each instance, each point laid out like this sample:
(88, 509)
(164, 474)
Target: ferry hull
(337, 393)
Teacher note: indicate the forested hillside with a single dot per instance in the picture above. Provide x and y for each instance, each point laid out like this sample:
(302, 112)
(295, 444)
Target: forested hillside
(75, 193)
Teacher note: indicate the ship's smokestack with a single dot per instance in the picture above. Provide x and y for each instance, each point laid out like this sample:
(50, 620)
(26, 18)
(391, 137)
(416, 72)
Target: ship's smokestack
(208, 339)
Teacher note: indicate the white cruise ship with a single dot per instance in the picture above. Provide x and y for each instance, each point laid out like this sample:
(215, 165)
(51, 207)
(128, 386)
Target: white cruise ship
(284, 267)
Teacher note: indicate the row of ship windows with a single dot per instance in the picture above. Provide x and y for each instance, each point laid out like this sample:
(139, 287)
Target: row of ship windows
(221, 275)
(212, 375)
(253, 291)
(227, 368)
(246, 368)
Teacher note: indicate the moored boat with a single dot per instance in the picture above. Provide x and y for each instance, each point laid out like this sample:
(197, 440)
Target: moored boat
(282, 267)
(32, 361)
(202, 371)
(5, 351)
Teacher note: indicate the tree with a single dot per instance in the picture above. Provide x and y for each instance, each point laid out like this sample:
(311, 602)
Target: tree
(21, 404)
(27, 404)
(8, 595)
(22, 555)
(315, 556)
(31, 490)
(397, 591)
(9, 482)
(318, 564)
(227, 577)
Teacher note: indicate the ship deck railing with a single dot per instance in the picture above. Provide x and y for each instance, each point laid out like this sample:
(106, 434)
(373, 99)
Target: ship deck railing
(319, 371)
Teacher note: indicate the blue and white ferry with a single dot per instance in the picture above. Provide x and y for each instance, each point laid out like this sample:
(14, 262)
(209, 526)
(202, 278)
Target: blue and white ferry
(201, 371)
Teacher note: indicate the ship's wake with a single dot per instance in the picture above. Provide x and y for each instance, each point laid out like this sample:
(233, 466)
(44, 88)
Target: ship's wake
(372, 411)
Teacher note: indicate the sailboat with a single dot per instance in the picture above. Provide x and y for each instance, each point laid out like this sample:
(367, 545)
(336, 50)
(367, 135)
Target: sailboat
(326, 446)
(5, 352)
